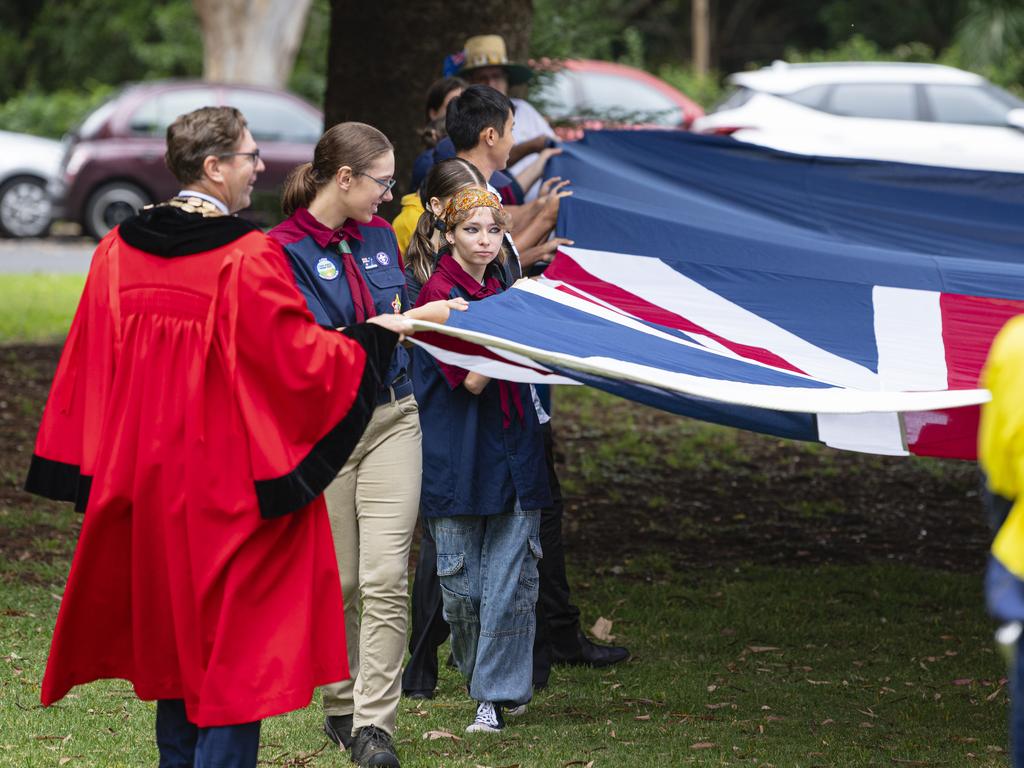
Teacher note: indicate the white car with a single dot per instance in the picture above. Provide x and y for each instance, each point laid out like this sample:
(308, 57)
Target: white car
(913, 113)
(27, 164)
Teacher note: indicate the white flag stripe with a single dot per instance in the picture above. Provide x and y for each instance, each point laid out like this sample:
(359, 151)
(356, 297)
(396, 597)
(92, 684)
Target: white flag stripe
(908, 332)
(791, 399)
(879, 433)
(493, 368)
(677, 293)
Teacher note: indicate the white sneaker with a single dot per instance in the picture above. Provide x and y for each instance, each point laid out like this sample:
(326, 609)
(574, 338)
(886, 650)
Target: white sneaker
(516, 711)
(488, 719)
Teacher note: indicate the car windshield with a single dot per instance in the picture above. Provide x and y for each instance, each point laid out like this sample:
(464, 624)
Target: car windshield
(97, 118)
(735, 96)
(159, 111)
(605, 96)
(275, 118)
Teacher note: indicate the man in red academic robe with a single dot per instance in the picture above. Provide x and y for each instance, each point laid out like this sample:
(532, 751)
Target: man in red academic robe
(197, 414)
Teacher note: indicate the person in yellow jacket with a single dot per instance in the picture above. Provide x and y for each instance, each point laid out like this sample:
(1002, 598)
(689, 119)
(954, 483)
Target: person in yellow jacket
(405, 222)
(1001, 455)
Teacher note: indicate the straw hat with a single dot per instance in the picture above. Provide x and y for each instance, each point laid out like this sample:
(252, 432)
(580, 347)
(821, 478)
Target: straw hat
(489, 51)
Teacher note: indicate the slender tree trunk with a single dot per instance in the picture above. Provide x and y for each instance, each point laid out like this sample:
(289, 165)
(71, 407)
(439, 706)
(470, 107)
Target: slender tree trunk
(384, 55)
(701, 25)
(251, 41)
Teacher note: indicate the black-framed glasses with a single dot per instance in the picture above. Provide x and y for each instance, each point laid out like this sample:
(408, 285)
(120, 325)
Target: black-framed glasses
(254, 156)
(388, 184)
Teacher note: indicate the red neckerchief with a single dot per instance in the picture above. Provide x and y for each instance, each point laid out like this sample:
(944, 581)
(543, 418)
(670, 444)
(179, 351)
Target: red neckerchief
(458, 276)
(338, 239)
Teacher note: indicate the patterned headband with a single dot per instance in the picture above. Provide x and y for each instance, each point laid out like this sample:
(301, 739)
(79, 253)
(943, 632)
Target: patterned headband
(465, 199)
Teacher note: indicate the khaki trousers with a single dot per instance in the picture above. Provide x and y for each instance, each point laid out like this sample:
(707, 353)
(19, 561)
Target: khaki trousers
(373, 504)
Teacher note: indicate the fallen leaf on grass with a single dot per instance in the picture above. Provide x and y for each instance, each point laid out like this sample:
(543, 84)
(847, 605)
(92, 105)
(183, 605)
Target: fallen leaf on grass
(64, 761)
(819, 682)
(602, 630)
(703, 745)
(435, 735)
(642, 717)
(720, 705)
(994, 693)
(963, 681)
(579, 762)
(762, 648)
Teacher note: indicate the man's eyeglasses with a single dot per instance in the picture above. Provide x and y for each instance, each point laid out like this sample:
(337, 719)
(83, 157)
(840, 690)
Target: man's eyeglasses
(388, 184)
(254, 156)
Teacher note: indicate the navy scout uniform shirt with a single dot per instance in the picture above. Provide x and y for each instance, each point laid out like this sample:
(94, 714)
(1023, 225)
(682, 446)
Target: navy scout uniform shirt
(480, 452)
(319, 269)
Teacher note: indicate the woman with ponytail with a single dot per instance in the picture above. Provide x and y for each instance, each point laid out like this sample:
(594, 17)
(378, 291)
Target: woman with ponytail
(347, 264)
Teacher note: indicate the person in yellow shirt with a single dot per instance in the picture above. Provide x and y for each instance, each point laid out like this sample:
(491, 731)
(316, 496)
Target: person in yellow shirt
(1001, 455)
(439, 95)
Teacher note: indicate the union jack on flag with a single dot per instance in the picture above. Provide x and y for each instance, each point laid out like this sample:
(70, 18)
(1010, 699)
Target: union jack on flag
(854, 308)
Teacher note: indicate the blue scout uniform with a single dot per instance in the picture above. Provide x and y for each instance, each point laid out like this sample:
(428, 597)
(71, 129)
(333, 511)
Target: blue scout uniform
(480, 452)
(318, 263)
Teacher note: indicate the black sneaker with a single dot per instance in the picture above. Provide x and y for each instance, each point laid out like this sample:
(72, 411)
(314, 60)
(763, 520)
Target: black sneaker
(586, 653)
(373, 747)
(339, 729)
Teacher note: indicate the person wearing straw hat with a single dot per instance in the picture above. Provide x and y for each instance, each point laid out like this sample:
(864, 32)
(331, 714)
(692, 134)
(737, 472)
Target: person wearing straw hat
(484, 61)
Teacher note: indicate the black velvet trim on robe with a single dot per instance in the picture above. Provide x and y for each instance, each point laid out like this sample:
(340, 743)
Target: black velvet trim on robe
(58, 481)
(293, 491)
(169, 232)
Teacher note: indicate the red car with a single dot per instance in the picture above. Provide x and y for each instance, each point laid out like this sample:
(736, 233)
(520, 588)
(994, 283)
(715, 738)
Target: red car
(586, 93)
(114, 161)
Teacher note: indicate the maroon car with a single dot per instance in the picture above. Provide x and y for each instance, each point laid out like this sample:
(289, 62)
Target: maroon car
(114, 161)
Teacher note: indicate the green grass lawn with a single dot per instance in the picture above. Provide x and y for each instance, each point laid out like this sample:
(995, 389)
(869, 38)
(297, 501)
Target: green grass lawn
(787, 606)
(750, 665)
(37, 307)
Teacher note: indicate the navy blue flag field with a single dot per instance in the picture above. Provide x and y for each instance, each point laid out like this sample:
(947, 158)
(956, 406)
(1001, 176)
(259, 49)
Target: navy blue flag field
(849, 302)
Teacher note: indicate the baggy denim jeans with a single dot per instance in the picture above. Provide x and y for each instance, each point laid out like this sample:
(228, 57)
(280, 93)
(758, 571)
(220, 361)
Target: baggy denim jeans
(488, 571)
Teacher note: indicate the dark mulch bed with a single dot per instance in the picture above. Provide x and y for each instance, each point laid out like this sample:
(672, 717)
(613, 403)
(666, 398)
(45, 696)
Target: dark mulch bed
(701, 497)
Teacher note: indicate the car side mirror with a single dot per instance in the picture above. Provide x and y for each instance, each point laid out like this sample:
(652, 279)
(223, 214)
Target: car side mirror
(1015, 119)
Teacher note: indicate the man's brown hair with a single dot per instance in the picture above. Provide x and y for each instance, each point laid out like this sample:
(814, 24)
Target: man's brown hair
(192, 137)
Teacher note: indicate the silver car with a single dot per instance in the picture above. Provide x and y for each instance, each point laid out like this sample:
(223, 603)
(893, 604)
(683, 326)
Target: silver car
(27, 164)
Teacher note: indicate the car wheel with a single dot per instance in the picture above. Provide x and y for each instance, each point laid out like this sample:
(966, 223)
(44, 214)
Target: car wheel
(111, 204)
(25, 207)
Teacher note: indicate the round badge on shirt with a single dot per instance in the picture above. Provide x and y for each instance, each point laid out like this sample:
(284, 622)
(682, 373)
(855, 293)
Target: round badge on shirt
(327, 269)
(383, 258)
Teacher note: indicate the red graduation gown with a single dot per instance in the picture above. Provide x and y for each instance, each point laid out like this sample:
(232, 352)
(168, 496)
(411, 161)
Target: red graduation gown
(196, 415)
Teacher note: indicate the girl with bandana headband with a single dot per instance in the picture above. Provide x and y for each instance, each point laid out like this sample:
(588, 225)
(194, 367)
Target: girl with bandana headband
(484, 481)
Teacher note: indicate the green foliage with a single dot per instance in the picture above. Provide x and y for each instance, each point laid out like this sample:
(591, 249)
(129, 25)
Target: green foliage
(859, 48)
(111, 41)
(707, 90)
(585, 29)
(309, 76)
(51, 114)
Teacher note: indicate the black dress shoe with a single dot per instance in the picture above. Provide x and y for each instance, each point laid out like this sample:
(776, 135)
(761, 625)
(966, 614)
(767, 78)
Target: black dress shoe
(373, 748)
(418, 694)
(339, 729)
(587, 653)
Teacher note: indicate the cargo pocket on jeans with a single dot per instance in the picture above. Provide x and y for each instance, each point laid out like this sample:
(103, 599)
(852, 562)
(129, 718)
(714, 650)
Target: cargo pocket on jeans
(529, 580)
(451, 572)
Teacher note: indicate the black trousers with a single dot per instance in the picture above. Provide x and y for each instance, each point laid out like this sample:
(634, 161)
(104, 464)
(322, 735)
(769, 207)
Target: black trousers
(558, 620)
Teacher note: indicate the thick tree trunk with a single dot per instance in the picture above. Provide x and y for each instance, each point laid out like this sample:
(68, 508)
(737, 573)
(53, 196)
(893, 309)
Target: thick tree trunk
(384, 55)
(701, 25)
(251, 41)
